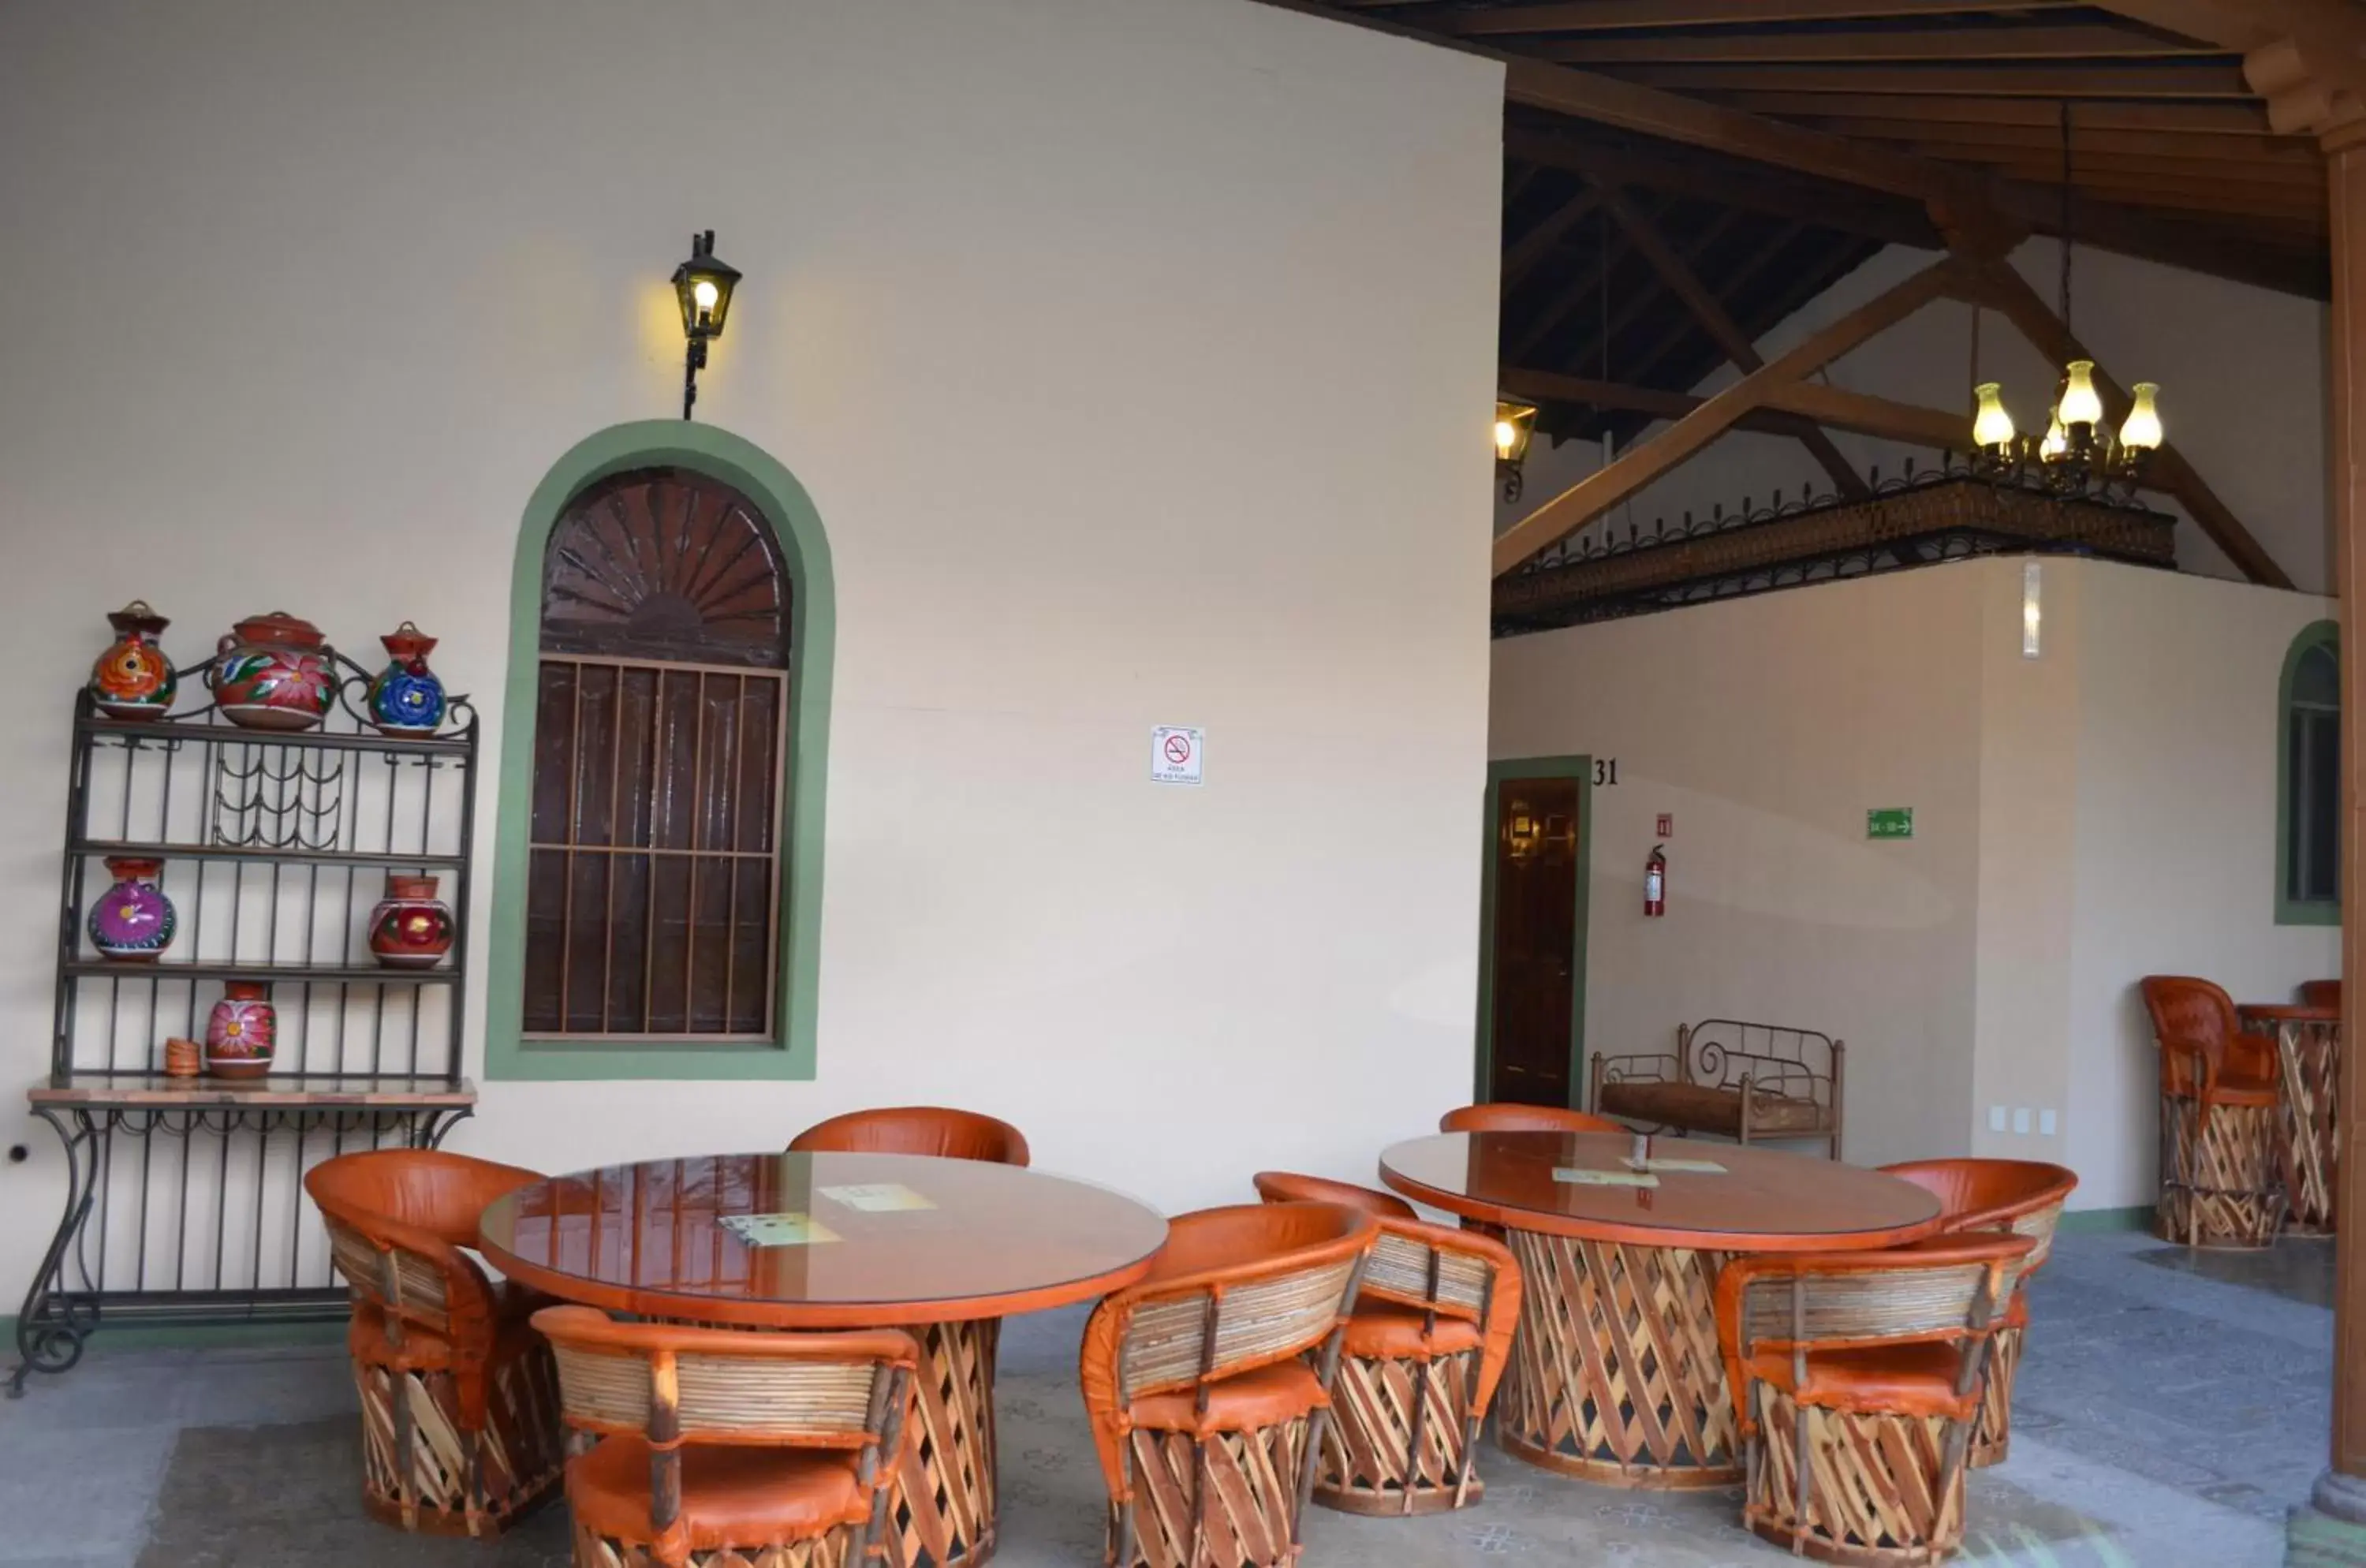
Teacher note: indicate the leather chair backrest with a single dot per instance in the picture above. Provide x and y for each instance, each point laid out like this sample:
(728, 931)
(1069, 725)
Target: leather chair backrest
(2018, 1195)
(1949, 1288)
(2191, 1017)
(1507, 1117)
(398, 1220)
(916, 1129)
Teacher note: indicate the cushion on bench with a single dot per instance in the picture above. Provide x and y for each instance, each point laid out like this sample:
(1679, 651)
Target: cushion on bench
(1707, 1108)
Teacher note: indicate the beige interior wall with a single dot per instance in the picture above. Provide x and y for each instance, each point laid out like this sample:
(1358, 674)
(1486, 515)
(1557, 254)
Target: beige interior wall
(304, 299)
(1767, 726)
(2176, 839)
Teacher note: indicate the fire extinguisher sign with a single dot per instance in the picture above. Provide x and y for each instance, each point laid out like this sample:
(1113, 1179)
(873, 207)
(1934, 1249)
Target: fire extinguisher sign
(1890, 822)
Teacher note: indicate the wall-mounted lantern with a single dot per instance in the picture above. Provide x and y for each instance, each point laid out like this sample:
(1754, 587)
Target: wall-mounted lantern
(703, 284)
(1514, 422)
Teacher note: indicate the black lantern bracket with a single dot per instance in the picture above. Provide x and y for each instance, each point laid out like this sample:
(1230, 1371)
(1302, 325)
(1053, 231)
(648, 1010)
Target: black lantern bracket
(704, 286)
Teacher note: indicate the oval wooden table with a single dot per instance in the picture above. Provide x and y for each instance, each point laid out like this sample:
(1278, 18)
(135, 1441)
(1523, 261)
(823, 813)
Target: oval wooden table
(1615, 1373)
(944, 1247)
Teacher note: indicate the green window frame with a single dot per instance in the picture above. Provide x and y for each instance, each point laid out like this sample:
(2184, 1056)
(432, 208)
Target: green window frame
(2308, 729)
(790, 1054)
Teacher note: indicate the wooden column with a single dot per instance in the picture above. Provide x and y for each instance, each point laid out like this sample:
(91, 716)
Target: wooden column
(2346, 385)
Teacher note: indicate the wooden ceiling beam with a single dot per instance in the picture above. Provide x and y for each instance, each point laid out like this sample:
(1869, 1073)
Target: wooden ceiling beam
(2282, 152)
(1646, 461)
(1722, 329)
(1801, 405)
(2166, 120)
(2042, 164)
(2025, 80)
(1776, 194)
(1997, 285)
(1943, 44)
(1733, 285)
(1522, 255)
(1584, 16)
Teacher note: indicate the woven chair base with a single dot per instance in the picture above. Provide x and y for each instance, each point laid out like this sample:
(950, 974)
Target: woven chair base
(1875, 1497)
(835, 1550)
(942, 1515)
(1367, 1464)
(1992, 1429)
(1247, 1499)
(2222, 1185)
(411, 1428)
(1615, 1375)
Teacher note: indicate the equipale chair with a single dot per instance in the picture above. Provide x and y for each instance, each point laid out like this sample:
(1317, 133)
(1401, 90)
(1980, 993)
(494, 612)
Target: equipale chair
(1856, 1376)
(459, 1430)
(2221, 1172)
(1507, 1117)
(2025, 1196)
(1424, 1349)
(721, 1448)
(2320, 993)
(916, 1129)
(1204, 1409)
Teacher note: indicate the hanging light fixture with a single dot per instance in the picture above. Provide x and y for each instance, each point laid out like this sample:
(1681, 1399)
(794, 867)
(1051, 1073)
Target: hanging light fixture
(1514, 422)
(703, 284)
(2078, 455)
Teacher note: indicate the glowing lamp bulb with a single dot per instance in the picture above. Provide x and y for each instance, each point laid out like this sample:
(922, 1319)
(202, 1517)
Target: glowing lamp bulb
(1507, 437)
(2057, 444)
(2142, 431)
(1992, 426)
(2080, 404)
(703, 294)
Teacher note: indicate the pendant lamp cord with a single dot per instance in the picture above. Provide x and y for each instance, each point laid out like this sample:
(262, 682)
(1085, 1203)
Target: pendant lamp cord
(2065, 214)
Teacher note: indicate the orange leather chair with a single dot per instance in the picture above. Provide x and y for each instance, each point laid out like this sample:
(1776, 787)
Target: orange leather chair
(460, 1433)
(1197, 1381)
(916, 1129)
(2222, 1181)
(1506, 1117)
(719, 1445)
(1424, 1352)
(2320, 993)
(2025, 1196)
(1856, 1376)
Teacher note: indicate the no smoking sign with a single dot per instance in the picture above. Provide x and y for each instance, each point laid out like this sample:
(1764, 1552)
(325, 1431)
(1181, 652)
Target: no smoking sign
(1175, 755)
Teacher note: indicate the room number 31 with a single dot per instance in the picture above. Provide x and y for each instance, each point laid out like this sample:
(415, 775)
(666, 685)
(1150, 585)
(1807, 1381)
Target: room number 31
(1606, 770)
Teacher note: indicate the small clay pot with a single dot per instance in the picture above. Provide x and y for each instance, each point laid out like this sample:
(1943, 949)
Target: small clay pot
(271, 672)
(240, 1032)
(406, 699)
(132, 921)
(133, 679)
(411, 928)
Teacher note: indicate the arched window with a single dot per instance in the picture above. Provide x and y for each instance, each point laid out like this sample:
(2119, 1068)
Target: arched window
(2308, 766)
(660, 702)
(665, 734)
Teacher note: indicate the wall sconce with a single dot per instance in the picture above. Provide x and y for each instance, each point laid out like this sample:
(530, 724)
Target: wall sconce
(1514, 422)
(703, 284)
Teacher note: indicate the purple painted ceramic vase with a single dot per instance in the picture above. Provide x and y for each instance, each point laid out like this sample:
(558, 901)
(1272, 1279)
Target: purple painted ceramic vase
(132, 921)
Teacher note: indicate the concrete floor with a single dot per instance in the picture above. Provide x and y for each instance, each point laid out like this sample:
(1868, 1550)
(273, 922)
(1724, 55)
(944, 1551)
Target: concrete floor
(2171, 1408)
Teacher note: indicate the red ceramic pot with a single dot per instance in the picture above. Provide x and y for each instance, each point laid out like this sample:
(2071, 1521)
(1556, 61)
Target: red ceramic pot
(271, 672)
(411, 928)
(239, 1034)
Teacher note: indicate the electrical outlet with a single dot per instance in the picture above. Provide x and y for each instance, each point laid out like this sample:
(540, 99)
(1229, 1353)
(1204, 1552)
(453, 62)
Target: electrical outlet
(2046, 1123)
(2021, 1118)
(1996, 1118)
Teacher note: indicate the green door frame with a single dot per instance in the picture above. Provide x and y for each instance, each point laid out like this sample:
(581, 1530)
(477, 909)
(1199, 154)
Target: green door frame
(1498, 773)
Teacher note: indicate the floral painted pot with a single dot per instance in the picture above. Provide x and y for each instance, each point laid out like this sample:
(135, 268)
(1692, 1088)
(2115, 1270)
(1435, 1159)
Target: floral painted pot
(240, 1033)
(407, 699)
(132, 921)
(411, 928)
(271, 673)
(133, 679)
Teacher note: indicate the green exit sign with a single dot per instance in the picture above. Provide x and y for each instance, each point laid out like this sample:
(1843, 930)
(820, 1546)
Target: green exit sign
(1890, 822)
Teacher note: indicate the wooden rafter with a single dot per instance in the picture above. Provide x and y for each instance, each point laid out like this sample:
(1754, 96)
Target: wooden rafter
(1790, 408)
(2151, 118)
(1996, 283)
(1773, 193)
(2025, 79)
(1733, 287)
(2078, 42)
(1722, 329)
(1522, 255)
(1587, 15)
(1574, 507)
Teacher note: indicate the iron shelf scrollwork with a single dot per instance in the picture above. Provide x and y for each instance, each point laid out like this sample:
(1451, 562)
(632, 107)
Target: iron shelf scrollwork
(184, 1202)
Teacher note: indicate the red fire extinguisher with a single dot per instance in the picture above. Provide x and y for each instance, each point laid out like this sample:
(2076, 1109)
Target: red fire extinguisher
(1655, 882)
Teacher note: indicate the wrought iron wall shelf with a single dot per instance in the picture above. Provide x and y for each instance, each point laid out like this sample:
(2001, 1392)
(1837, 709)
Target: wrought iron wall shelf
(184, 1201)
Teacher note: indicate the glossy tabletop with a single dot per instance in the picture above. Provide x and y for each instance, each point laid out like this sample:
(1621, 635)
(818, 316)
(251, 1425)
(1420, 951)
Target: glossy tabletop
(1764, 1201)
(993, 1239)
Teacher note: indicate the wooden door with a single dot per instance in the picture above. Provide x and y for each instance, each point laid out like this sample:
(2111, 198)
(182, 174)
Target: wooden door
(1535, 941)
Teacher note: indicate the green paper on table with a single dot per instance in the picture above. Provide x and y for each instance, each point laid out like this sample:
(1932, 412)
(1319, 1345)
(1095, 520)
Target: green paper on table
(1693, 1166)
(876, 1197)
(1578, 1178)
(793, 1229)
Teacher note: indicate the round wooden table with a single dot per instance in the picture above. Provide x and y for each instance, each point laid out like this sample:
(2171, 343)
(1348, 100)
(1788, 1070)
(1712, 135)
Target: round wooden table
(945, 1247)
(1615, 1373)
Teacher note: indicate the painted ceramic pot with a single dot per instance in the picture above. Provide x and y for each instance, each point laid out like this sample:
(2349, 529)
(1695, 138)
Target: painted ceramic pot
(273, 673)
(132, 921)
(133, 679)
(407, 699)
(411, 928)
(240, 1033)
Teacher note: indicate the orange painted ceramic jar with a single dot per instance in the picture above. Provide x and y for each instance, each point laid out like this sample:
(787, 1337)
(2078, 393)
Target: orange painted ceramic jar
(133, 679)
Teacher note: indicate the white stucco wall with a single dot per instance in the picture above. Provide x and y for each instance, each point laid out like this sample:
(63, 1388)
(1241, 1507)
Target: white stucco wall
(2105, 811)
(2242, 380)
(1039, 293)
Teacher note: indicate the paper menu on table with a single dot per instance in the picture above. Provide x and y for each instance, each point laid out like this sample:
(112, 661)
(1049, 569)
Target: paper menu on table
(1692, 1167)
(796, 1228)
(1576, 1177)
(876, 1197)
